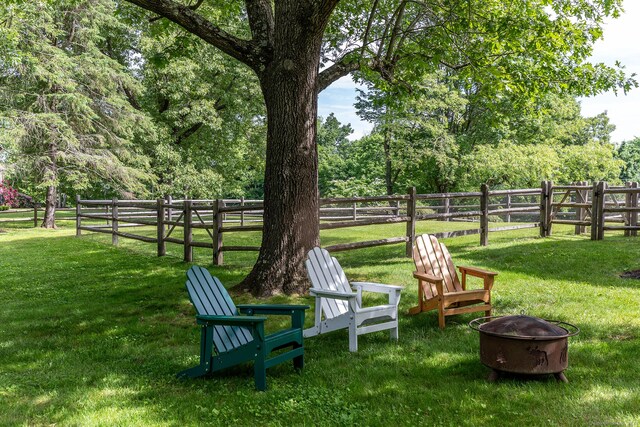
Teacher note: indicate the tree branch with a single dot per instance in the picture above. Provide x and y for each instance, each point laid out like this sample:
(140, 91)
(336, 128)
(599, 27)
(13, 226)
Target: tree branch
(192, 7)
(334, 72)
(261, 20)
(131, 97)
(188, 132)
(240, 49)
(327, 6)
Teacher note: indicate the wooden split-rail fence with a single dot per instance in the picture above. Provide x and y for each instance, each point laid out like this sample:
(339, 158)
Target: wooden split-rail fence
(583, 205)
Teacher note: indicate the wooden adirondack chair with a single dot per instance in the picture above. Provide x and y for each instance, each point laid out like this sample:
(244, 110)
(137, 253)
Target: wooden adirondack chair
(438, 284)
(339, 307)
(237, 339)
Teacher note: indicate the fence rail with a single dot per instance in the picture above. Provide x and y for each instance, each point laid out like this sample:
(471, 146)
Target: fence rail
(175, 220)
(580, 204)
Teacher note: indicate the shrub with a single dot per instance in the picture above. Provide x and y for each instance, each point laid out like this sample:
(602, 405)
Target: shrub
(8, 195)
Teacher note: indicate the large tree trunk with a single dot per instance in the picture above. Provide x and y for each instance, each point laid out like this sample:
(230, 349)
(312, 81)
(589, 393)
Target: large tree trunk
(291, 217)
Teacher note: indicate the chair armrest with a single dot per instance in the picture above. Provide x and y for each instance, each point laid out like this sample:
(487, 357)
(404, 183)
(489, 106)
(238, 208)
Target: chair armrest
(427, 277)
(376, 287)
(282, 309)
(333, 294)
(477, 272)
(229, 320)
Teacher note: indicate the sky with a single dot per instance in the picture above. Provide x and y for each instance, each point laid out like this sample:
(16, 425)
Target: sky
(621, 42)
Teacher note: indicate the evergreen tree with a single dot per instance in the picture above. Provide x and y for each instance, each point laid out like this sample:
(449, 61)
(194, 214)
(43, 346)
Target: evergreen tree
(63, 105)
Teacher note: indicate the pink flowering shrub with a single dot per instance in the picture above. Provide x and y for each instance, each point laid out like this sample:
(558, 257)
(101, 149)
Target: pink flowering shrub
(8, 195)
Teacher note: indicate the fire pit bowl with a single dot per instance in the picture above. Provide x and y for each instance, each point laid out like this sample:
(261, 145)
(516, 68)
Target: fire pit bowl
(524, 345)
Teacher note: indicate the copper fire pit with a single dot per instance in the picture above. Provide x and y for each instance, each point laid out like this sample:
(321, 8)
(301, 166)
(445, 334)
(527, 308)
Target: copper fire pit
(524, 345)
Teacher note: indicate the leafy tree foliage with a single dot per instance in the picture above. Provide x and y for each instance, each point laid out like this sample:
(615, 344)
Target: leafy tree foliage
(433, 140)
(333, 148)
(208, 111)
(629, 153)
(418, 148)
(524, 166)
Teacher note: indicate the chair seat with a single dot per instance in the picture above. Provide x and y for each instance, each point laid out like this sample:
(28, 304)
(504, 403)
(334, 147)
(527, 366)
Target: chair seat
(439, 287)
(282, 338)
(380, 310)
(339, 307)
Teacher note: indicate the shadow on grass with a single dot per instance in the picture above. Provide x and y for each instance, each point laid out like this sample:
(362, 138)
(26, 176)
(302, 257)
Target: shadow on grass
(94, 335)
(597, 263)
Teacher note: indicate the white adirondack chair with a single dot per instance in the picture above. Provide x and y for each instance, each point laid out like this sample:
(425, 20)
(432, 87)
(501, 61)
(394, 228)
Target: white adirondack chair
(338, 306)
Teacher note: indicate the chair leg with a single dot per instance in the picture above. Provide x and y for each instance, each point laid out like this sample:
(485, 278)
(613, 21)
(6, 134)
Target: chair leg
(298, 362)
(206, 349)
(441, 312)
(393, 332)
(260, 374)
(353, 337)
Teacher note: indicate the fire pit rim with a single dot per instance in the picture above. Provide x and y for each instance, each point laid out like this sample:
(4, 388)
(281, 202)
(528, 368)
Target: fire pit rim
(476, 326)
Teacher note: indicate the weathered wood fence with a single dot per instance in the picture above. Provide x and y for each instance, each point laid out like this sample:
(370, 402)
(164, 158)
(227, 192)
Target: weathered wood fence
(583, 205)
(597, 206)
(30, 215)
(175, 220)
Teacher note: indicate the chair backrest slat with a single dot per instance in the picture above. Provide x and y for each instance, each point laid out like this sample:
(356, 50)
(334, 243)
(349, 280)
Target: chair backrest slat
(432, 257)
(326, 273)
(210, 297)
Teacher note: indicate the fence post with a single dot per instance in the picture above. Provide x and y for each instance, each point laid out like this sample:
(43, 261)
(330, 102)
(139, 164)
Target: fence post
(594, 211)
(411, 223)
(397, 208)
(447, 203)
(549, 208)
(354, 211)
(508, 207)
(585, 197)
(78, 217)
(484, 217)
(162, 246)
(218, 257)
(169, 211)
(35, 215)
(188, 236)
(634, 214)
(241, 212)
(602, 186)
(581, 197)
(544, 195)
(627, 204)
(114, 221)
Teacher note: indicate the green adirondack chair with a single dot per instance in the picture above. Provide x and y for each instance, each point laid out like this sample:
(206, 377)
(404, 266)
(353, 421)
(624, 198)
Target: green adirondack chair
(237, 339)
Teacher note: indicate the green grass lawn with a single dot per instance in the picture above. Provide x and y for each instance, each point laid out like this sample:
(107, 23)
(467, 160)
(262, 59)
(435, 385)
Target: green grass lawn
(92, 334)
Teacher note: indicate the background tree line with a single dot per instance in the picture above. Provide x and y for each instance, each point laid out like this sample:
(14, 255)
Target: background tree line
(208, 99)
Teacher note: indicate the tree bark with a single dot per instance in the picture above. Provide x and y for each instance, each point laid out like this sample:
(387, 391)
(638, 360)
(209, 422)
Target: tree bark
(49, 220)
(291, 215)
(50, 175)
